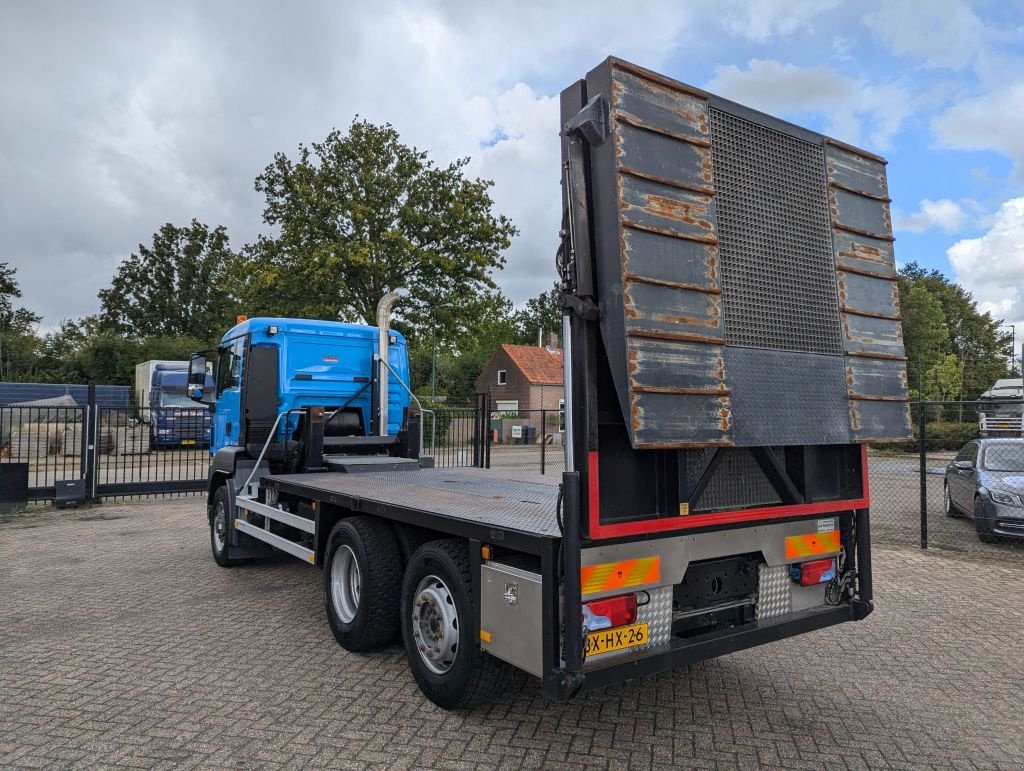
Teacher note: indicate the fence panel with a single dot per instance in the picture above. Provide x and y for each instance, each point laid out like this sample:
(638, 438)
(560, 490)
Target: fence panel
(51, 440)
(527, 440)
(956, 487)
(455, 437)
(147, 451)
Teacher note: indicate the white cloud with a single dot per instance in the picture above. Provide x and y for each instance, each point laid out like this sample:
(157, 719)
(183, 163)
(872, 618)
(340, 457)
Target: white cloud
(944, 33)
(117, 119)
(991, 266)
(949, 216)
(855, 111)
(994, 121)
(761, 21)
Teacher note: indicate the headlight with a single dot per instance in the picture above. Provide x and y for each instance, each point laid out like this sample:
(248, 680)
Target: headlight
(1009, 499)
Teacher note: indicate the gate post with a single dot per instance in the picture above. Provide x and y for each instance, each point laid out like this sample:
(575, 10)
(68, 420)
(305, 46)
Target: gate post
(487, 430)
(922, 451)
(90, 428)
(478, 431)
(543, 437)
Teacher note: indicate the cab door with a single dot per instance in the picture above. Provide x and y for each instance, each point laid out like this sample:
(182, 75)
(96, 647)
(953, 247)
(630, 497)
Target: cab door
(227, 418)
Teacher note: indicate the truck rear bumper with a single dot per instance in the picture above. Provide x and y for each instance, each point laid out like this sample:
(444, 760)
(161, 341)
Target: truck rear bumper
(562, 684)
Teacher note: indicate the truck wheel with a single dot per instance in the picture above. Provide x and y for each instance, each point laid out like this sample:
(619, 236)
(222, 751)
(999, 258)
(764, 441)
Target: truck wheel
(219, 532)
(362, 581)
(438, 629)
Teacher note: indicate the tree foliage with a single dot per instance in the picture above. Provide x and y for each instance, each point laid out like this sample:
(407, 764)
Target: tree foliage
(18, 341)
(940, 318)
(541, 316)
(361, 214)
(179, 286)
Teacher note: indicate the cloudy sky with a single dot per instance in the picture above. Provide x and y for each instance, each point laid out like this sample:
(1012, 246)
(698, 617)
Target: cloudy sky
(116, 117)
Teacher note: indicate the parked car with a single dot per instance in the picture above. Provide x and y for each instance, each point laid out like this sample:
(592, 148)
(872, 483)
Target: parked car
(985, 481)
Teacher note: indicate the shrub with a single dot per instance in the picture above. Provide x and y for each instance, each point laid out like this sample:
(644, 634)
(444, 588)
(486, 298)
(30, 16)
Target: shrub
(938, 435)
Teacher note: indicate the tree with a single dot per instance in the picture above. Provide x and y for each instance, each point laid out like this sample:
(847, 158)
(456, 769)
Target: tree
(60, 354)
(361, 214)
(939, 318)
(18, 342)
(924, 332)
(179, 286)
(543, 314)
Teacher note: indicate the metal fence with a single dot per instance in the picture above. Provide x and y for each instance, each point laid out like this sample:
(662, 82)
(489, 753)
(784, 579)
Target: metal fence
(47, 444)
(952, 488)
(114, 451)
(150, 450)
(956, 487)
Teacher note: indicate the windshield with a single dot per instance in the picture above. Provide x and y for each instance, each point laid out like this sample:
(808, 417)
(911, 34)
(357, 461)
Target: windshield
(176, 400)
(1005, 457)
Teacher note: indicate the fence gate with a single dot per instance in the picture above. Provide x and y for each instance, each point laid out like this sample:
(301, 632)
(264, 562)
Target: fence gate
(50, 441)
(149, 451)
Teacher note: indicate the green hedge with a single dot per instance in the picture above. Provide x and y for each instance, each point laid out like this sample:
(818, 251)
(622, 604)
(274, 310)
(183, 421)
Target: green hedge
(939, 436)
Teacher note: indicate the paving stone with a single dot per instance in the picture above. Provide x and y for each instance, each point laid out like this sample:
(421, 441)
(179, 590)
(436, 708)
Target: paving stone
(123, 644)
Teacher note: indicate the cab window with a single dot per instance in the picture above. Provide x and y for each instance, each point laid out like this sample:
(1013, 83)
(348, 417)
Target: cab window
(229, 366)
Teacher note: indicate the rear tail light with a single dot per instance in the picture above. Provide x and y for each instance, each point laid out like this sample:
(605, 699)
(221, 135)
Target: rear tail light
(610, 612)
(813, 572)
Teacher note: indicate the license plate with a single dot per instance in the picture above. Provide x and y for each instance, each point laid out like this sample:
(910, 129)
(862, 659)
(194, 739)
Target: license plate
(188, 441)
(608, 640)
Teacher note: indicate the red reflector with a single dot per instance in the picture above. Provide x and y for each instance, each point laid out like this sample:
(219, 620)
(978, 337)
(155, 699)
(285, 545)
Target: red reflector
(813, 572)
(619, 611)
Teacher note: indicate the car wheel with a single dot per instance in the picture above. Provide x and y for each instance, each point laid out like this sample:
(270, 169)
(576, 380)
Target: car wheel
(362, 582)
(947, 502)
(981, 527)
(438, 629)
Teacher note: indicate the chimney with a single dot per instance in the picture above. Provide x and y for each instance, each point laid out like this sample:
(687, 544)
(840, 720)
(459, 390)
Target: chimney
(552, 341)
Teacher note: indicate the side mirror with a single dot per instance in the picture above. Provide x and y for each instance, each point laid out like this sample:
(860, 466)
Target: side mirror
(197, 377)
(964, 465)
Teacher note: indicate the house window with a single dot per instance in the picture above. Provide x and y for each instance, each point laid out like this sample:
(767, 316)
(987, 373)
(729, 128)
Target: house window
(502, 377)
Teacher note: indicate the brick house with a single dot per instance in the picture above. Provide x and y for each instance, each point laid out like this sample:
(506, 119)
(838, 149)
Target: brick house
(523, 377)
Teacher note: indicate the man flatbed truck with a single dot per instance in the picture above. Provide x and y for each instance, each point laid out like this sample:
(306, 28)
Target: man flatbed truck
(732, 341)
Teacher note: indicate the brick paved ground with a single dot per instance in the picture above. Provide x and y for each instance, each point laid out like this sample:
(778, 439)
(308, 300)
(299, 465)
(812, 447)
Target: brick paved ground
(122, 643)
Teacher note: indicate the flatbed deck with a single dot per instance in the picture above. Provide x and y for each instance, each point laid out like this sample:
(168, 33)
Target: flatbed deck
(521, 506)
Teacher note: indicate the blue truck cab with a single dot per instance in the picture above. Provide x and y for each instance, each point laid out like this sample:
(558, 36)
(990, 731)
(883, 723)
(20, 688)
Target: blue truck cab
(281, 385)
(174, 420)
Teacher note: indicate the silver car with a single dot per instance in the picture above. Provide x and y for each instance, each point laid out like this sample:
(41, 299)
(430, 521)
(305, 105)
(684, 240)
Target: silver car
(985, 481)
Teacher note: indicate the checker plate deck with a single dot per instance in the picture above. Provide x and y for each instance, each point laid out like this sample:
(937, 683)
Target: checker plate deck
(506, 499)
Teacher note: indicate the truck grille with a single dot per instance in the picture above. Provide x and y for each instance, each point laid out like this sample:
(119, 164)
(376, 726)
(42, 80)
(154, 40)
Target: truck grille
(1012, 422)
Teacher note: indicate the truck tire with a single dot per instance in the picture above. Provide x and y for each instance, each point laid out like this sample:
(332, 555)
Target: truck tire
(362, 583)
(220, 522)
(438, 629)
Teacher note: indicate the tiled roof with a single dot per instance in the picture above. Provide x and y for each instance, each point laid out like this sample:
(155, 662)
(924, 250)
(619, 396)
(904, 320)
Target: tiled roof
(538, 365)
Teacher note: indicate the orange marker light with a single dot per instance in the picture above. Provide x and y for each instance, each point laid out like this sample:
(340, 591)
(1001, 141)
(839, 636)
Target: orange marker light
(486, 552)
